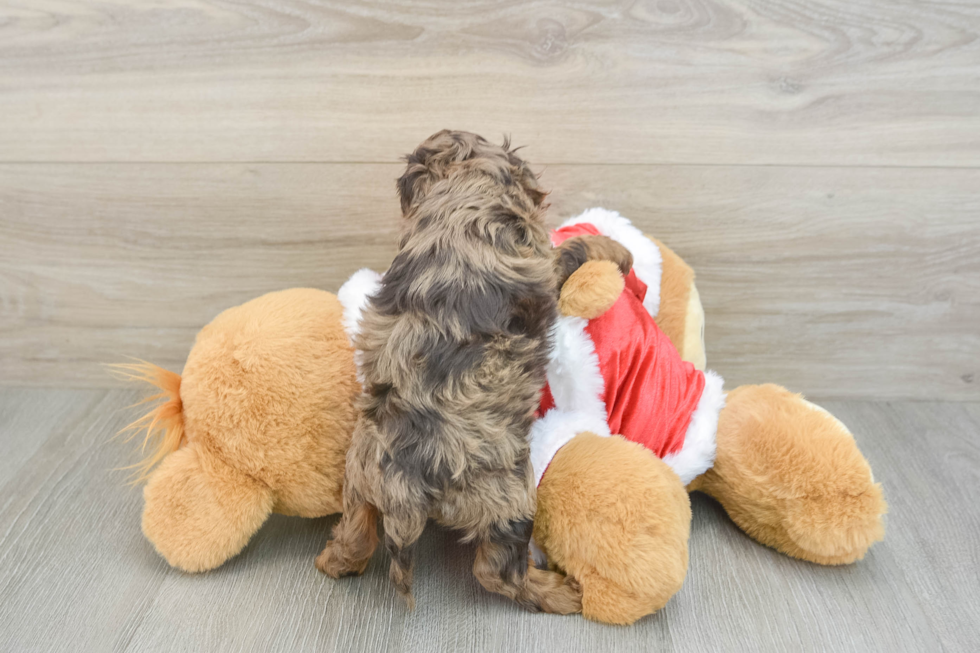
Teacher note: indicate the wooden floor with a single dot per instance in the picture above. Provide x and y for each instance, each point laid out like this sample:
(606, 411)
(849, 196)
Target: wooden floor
(77, 575)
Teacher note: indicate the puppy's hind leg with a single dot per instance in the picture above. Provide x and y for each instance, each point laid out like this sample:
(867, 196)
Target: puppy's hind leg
(355, 537)
(502, 566)
(402, 532)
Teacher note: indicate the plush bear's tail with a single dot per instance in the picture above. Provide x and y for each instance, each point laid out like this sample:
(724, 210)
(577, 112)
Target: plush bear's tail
(163, 424)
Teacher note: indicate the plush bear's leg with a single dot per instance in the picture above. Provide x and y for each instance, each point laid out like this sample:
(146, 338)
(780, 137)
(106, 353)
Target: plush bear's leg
(791, 476)
(200, 512)
(617, 519)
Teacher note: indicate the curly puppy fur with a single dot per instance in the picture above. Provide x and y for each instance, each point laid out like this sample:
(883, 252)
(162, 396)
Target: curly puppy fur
(454, 346)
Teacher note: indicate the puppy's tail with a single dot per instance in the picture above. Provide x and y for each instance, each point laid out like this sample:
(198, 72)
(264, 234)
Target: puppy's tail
(401, 535)
(163, 424)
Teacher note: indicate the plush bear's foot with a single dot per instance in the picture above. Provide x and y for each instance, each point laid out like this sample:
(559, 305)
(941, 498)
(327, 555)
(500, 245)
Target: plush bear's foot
(791, 476)
(617, 519)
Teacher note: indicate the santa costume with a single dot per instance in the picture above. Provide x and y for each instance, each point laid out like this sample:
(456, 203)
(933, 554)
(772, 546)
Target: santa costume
(618, 373)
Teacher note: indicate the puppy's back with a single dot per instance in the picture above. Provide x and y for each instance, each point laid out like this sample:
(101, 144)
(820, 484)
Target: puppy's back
(455, 342)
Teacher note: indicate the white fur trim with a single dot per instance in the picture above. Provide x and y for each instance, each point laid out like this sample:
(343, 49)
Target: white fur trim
(647, 261)
(573, 371)
(700, 443)
(577, 387)
(353, 296)
(556, 429)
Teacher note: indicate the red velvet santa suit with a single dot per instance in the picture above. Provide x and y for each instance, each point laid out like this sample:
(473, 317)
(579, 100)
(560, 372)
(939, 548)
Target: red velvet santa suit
(619, 373)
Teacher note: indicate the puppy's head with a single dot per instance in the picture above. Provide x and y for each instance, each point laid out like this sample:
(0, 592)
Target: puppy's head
(448, 153)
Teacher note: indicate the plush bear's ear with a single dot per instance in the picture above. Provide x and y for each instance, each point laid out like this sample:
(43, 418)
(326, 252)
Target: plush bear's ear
(200, 512)
(591, 290)
(680, 315)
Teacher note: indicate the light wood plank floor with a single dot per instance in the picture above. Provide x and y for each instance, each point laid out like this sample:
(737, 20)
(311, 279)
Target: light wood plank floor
(77, 575)
(828, 82)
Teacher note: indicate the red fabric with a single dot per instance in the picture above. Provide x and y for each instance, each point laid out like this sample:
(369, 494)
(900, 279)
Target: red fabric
(547, 401)
(650, 393)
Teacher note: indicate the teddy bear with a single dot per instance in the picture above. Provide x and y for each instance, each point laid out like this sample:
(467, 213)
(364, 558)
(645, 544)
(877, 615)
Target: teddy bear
(613, 510)
(260, 419)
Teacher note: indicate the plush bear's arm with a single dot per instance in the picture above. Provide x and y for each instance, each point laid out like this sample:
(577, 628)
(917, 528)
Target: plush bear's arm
(591, 290)
(575, 252)
(595, 286)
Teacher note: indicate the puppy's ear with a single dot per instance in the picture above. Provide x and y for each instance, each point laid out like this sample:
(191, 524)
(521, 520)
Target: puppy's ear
(522, 172)
(413, 183)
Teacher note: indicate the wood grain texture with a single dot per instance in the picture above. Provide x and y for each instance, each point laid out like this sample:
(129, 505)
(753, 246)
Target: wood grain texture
(654, 81)
(835, 282)
(76, 574)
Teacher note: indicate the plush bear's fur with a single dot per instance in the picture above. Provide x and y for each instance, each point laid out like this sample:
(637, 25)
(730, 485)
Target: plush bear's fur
(262, 416)
(615, 517)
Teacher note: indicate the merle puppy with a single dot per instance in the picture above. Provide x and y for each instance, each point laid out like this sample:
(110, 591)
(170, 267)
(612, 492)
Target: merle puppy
(454, 346)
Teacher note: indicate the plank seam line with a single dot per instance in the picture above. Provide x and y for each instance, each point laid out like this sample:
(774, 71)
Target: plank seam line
(534, 164)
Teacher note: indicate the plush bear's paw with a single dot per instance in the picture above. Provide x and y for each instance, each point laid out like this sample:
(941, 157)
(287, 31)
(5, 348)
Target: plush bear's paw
(591, 290)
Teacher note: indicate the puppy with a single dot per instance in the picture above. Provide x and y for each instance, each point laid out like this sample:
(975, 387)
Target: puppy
(454, 346)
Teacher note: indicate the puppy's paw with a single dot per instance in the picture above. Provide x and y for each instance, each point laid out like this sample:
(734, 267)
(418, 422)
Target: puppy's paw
(333, 563)
(565, 600)
(557, 593)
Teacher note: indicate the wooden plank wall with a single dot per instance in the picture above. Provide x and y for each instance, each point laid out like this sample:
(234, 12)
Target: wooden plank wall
(818, 164)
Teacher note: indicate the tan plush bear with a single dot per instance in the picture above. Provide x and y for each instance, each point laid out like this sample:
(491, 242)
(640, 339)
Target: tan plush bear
(612, 509)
